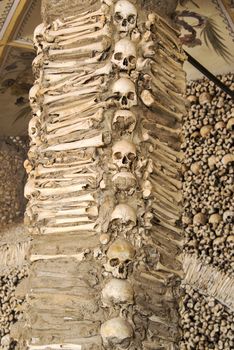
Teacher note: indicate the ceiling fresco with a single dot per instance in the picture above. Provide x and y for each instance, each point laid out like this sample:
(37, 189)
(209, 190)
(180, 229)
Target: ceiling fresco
(207, 32)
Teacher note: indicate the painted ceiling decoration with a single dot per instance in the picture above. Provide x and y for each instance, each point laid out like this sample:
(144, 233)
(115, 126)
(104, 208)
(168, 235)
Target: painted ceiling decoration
(207, 31)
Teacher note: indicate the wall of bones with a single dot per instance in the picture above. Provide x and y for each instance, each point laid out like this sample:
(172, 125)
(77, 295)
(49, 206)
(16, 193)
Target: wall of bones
(14, 242)
(104, 186)
(207, 308)
(107, 182)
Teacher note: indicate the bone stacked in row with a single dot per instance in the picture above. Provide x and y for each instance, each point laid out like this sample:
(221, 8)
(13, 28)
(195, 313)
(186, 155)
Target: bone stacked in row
(208, 173)
(104, 185)
(64, 175)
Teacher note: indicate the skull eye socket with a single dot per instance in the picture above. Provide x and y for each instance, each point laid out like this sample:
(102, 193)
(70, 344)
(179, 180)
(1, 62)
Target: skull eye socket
(118, 17)
(131, 95)
(131, 19)
(131, 156)
(118, 155)
(132, 59)
(118, 56)
(127, 261)
(114, 262)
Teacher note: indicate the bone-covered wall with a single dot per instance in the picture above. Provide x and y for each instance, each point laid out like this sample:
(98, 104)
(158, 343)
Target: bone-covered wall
(207, 308)
(104, 183)
(14, 242)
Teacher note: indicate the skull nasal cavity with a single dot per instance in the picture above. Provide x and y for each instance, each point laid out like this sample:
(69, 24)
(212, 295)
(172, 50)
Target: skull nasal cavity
(124, 23)
(124, 100)
(125, 62)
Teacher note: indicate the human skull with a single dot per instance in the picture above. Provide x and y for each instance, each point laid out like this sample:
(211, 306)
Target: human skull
(124, 56)
(125, 17)
(124, 121)
(218, 245)
(120, 255)
(33, 95)
(123, 154)
(230, 243)
(124, 181)
(117, 292)
(124, 215)
(228, 216)
(34, 127)
(116, 332)
(125, 92)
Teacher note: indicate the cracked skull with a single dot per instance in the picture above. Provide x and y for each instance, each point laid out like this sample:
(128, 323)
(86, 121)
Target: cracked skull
(124, 181)
(124, 56)
(123, 154)
(124, 215)
(124, 121)
(125, 93)
(117, 292)
(125, 17)
(120, 255)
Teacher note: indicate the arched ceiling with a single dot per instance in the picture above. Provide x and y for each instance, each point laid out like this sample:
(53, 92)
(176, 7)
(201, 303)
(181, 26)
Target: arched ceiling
(207, 30)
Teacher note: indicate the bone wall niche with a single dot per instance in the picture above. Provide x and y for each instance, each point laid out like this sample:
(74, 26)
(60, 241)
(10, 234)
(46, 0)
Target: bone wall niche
(12, 179)
(104, 185)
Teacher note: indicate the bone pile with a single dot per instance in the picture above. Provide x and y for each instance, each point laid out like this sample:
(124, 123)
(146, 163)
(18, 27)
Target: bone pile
(104, 184)
(206, 323)
(208, 173)
(11, 181)
(11, 304)
(208, 305)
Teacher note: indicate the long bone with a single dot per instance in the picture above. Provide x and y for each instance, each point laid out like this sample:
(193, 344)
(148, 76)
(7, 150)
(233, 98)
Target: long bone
(161, 159)
(169, 152)
(52, 71)
(85, 198)
(40, 170)
(55, 347)
(37, 257)
(51, 230)
(78, 80)
(69, 125)
(75, 29)
(172, 180)
(167, 240)
(60, 221)
(150, 101)
(104, 32)
(172, 97)
(160, 267)
(165, 213)
(73, 109)
(96, 141)
(172, 206)
(170, 195)
(44, 192)
(176, 84)
(45, 214)
(101, 46)
(81, 19)
(157, 179)
(71, 96)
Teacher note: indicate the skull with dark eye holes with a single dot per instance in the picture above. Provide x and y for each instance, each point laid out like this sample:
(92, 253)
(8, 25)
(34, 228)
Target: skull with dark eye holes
(125, 17)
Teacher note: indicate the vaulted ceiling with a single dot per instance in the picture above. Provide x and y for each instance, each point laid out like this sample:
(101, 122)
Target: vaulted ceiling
(207, 29)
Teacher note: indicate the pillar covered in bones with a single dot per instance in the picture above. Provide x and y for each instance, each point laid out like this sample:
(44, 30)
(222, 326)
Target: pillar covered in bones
(104, 184)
